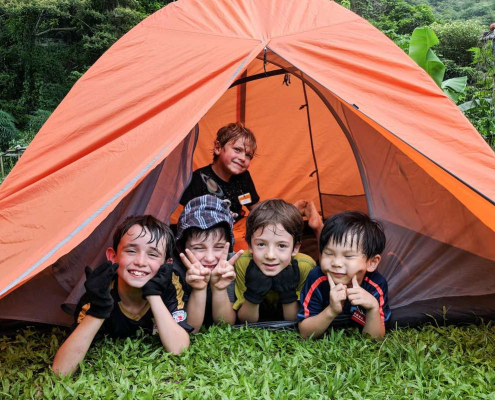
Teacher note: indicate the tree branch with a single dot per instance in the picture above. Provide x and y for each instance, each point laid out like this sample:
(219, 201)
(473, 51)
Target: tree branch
(56, 29)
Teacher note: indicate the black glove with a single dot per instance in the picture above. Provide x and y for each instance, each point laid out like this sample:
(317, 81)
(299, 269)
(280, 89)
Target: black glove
(160, 282)
(257, 284)
(286, 283)
(98, 289)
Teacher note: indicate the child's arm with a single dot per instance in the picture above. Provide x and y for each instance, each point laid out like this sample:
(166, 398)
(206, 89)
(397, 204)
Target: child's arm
(373, 326)
(257, 286)
(285, 284)
(173, 337)
(100, 301)
(74, 349)
(249, 312)
(197, 277)
(318, 324)
(221, 277)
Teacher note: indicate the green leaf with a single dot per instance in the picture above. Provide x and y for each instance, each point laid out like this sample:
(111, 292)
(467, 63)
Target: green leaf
(422, 39)
(456, 84)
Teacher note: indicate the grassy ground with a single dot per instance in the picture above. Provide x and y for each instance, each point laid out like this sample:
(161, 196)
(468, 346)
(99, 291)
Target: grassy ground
(226, 363)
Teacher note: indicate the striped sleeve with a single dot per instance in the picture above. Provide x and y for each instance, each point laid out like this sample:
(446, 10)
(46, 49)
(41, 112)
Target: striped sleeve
(379, 289)
(312, 297)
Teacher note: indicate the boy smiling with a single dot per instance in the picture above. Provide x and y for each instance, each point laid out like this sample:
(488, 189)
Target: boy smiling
(347, 289)
(134, 289)
(271, 275)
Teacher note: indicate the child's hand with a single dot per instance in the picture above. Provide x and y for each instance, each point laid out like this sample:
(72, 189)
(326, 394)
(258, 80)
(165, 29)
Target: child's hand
(160, 282)
(286, 283)
(197, 276)
(223, 274)
(98, 289)
(257, 284)
(360, 297)
(338, 294)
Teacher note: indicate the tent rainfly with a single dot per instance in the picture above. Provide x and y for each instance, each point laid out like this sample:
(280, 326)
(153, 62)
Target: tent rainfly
(342, 117)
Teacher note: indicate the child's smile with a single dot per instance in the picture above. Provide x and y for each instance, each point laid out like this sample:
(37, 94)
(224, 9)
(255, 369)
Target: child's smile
(139, 259)
(272, 248)
(344, 261)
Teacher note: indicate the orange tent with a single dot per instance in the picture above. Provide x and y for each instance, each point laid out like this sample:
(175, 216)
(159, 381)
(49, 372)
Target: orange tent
(342, 116)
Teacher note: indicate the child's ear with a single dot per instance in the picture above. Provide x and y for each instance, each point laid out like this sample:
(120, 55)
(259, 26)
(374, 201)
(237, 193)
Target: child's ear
(296, 249)
(216, 147)
(373, 263)
(111, 254)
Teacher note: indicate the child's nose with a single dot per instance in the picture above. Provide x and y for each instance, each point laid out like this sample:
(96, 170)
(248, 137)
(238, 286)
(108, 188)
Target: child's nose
(270, 254)
(210, 256)
(139, 259)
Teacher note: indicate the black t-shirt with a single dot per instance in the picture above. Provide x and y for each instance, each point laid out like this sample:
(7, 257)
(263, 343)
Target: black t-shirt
(122, 324)
(205, 181)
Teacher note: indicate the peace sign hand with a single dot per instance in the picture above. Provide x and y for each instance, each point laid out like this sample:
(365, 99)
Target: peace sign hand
(223, 274)
(360, 297)
(197, 276)
(338, 295)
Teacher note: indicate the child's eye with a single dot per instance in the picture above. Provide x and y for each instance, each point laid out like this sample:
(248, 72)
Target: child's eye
(260, 244)
(153, 255)
(328, 253)
(282, 246)
(130, 251)
(237, 149)
(249, 156)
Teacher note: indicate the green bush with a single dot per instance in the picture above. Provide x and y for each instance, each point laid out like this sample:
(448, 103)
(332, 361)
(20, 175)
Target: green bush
(456, 38)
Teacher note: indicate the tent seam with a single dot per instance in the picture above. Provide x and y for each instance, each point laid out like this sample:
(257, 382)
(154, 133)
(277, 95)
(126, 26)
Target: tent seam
(204, 33)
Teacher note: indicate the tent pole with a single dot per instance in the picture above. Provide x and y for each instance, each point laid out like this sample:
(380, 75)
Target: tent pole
(306, 103)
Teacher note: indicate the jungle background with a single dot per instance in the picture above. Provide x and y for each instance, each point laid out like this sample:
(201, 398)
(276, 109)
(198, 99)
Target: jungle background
(47, 45)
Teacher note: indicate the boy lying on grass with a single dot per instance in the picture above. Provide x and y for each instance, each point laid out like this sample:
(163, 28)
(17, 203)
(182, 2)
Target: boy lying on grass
(134, 289)
(270, 277)
(346, 289)
(204, 235)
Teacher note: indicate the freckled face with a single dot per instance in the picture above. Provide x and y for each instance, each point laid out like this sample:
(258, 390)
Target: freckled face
(138, 260)
(272, 249)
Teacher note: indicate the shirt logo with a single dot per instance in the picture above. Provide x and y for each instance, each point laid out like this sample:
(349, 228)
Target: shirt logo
(212, 186)
(179, 316)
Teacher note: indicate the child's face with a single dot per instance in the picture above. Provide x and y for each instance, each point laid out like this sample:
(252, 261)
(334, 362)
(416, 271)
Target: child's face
(272, 249)
(207, 249)
(234, 157)
(343, 261)
(138, 260)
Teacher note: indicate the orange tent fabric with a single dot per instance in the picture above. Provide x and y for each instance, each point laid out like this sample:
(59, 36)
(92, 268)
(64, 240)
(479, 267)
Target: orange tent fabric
(359, 126)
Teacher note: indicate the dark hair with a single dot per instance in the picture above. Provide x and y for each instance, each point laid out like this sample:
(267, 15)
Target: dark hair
(272, 212)
(368, 233)
(216, 231)
(232, 132)
(157, 229)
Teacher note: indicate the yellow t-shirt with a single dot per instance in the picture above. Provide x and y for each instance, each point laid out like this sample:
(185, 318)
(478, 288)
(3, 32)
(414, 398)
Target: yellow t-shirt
(305, 263)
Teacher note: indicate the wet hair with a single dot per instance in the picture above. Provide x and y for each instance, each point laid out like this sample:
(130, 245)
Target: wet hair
(157, 229)
(216, 232)
(272, 212)
(233, 131)
(354, 225)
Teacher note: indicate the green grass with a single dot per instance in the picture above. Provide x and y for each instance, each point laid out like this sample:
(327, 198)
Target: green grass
(225, 363)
